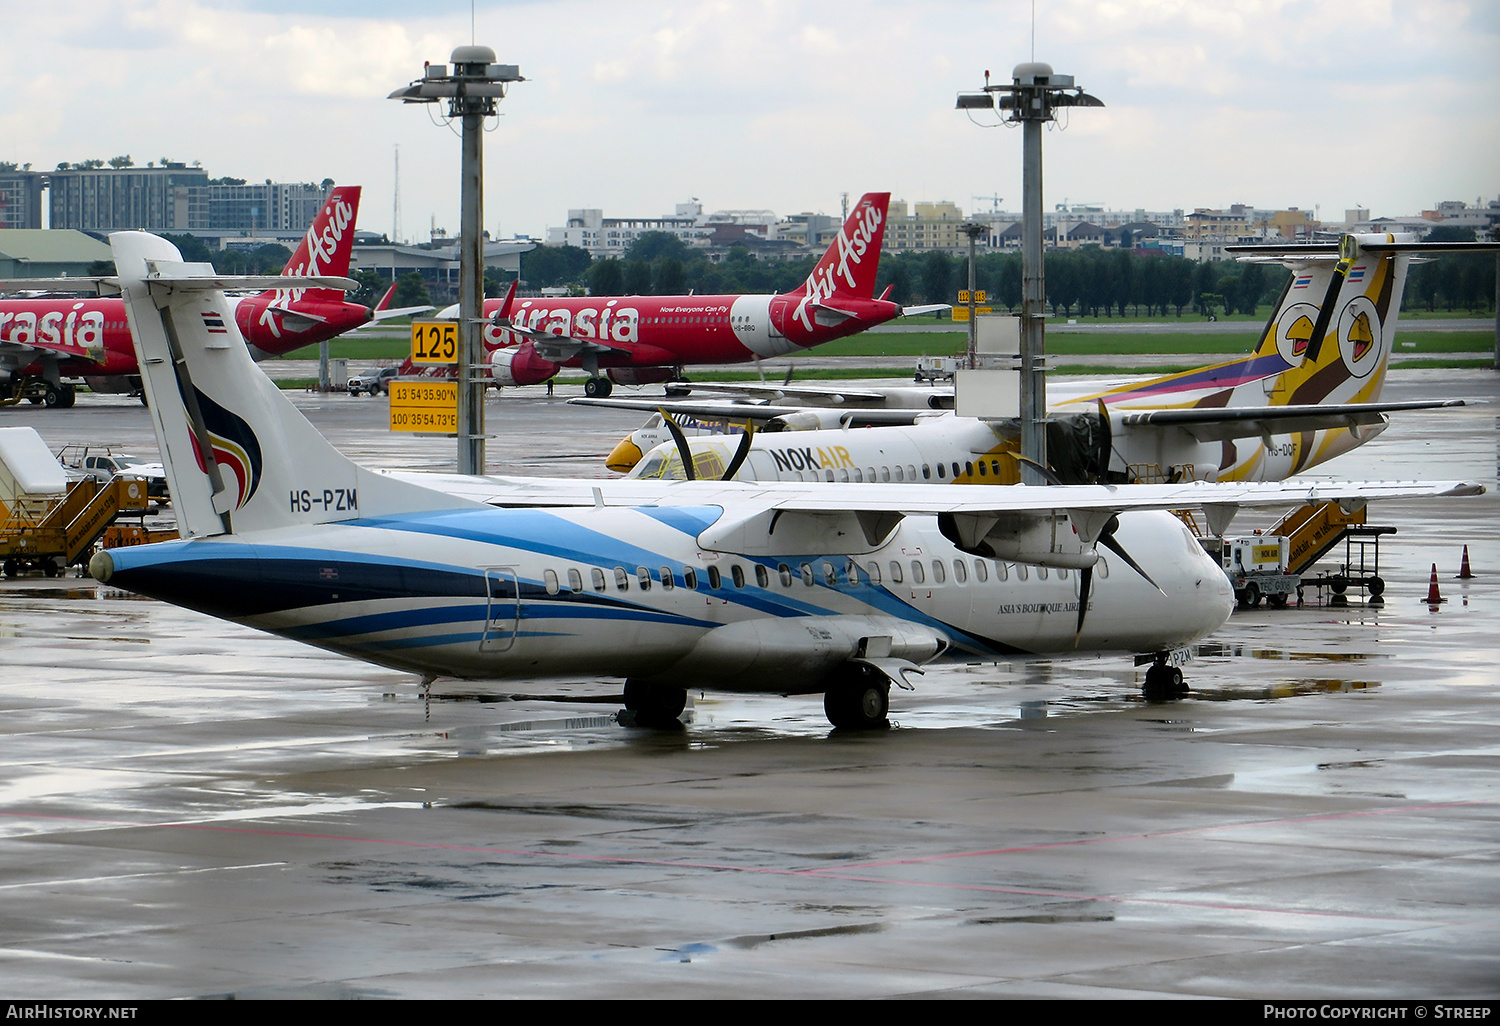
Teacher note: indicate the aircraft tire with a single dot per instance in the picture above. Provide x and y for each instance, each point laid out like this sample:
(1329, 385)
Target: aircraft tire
(598, 388)
(53, 398)
(860, 700)
(654, 706)
(1163, 681)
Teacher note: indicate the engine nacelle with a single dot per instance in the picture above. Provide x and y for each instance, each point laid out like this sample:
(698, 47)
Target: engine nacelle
(641, 375)
(520, 365)
(118, 384)
(1040, 540)
(807, 420)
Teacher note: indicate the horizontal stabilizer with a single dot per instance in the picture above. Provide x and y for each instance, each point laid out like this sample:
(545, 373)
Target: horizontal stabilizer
(723, 410)
(1208, 424)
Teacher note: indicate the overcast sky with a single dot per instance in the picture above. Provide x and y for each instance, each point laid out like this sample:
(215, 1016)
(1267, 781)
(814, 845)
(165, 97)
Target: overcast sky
(780, 104)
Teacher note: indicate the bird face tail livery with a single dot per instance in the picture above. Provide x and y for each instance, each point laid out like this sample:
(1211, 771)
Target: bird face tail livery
(1332, 330)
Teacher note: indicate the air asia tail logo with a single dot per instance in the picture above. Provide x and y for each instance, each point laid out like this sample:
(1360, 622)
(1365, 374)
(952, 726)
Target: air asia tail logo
(235, 448)
(859, 238)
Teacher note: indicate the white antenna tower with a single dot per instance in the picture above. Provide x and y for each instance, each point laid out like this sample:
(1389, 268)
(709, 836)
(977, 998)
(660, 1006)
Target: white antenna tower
(396, 202)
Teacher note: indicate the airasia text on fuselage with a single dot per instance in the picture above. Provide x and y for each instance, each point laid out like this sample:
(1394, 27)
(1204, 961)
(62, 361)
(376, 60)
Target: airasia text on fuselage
(70, 323)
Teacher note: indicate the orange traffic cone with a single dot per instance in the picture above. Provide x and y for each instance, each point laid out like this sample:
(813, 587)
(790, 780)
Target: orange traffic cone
(1464, 572)
(1433, 596)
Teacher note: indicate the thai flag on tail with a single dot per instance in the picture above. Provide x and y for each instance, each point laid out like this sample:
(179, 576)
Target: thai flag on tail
(1302, 281)
(215, 324)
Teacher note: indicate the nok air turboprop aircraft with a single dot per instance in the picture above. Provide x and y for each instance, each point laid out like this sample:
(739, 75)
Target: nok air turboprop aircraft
(1307, 393)
(785, 589)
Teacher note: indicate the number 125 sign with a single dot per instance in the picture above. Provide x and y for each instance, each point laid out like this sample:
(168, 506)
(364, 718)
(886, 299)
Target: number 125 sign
(434, 342)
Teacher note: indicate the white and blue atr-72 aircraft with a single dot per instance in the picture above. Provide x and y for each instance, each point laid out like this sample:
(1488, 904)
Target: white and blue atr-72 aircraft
(785, 589)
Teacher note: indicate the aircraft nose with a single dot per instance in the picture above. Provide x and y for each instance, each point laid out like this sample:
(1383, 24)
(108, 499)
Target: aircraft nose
(623, 457)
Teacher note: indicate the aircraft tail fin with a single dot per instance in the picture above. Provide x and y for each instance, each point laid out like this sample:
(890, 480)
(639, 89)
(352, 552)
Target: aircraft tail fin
(1329, 339)
(238, 455)
(327, 247)
(848, 266)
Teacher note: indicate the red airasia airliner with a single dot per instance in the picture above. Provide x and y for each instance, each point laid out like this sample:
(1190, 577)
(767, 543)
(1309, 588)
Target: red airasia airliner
(635, 340)
(46, 339)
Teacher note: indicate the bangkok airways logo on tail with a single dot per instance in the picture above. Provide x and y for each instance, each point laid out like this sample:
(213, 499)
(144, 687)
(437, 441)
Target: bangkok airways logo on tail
(235, 448)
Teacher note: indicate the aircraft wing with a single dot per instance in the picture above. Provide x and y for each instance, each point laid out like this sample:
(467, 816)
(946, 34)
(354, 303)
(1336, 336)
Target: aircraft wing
(400, 311)
(172, 273)
(1214, 425)
(757, 411)
(558, 348)
(55, 350)
(821, 499)
(770, 393)
(913, 311)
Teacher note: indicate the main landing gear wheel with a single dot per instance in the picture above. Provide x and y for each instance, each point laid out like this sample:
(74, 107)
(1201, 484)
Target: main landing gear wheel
(858, 701)
(654, 706)
(1163, 681)
(598, 388)
(59, 397)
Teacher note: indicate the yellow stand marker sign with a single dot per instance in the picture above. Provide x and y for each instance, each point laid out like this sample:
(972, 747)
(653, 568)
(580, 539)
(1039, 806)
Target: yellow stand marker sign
(428, 404)
(424, 405)
(434, 342)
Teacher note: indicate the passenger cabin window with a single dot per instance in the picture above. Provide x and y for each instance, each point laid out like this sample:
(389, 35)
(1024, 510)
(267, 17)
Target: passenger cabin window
(895, 572)
(549, 578)
(1021, 572)
(598, 576)
(738, 573)
(786, 575)
(575, 580)
(872, 571)
(762, 575)
(643, 574)
(918, 575)
(830, 577)
(939, 575)
(960, 572)
(941, 474)
(981, 569)
(690, 578)
(1002, 572)
(622, 579)
(807, 575)
(714, 580)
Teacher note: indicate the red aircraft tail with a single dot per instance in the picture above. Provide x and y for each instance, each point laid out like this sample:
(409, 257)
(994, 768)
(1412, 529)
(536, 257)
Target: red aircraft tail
(849, 266)
(329, 242)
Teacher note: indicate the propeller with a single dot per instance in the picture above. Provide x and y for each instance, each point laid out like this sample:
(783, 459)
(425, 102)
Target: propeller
(740, 454)
(682, 444)
(686, 452)
(1086, 575)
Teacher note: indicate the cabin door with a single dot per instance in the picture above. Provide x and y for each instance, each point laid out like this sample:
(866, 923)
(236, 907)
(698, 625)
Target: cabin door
(503, 610)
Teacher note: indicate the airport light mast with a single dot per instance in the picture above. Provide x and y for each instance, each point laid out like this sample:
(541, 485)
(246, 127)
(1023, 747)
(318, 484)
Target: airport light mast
(472, 91)
(1031, 98)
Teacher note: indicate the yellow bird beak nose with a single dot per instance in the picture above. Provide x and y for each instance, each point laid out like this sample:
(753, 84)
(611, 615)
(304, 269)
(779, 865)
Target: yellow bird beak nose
(624, 456)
